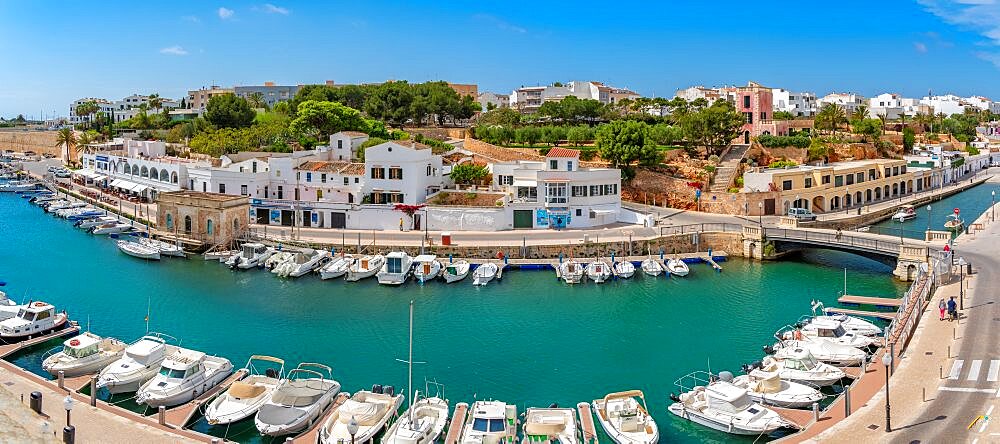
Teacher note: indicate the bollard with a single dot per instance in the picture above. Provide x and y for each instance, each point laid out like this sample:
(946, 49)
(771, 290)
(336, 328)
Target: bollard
(62, 379)
(162, 415)
(36, 402)
(816, 411)
(847, 401)
(952, 336)
(940, 372)
(949, 351)
(923, 394)
(215, 441)
(93, 391)
(289, 440)
(69, 434)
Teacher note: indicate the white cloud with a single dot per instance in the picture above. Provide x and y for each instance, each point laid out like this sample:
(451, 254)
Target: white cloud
(920, 47)
(272, 9)
(980, 16)
(225, 13)
(174, 50)
(500, 23)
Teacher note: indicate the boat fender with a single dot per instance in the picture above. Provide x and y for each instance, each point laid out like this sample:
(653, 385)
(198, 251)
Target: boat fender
(798, 335)
(499, 254)
(271, 373)
(554, 405)
(39, 304)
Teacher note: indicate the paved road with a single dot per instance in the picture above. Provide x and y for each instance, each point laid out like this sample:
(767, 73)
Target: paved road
(972, 385)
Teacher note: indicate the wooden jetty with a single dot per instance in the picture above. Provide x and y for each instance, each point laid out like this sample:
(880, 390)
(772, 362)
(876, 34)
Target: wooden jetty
(799, 417)
(311, 435)
(9, 349)
(869, 300)
(872, 314)
(587, 423)
(179, 416)
(711, 261)
(456, 424)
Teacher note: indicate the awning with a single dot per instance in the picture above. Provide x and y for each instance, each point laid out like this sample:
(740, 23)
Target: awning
(603, 212)
(86, 172)
(555, 180)
(525, 183)
(138, 188)
(115, 183)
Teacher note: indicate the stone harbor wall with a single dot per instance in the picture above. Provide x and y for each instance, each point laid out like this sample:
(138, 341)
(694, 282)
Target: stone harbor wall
(41, 142)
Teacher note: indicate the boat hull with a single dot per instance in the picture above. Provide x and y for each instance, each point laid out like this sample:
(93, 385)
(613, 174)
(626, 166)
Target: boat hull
(694, 417)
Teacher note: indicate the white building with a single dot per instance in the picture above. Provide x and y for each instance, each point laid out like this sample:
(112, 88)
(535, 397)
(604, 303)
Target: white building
(344, 145)
(529, 99)
(557, 193)
(984, 103)
(104, 106)
(700, 92)
(141, 168)
(495, 99)
(800, 104)
(401, 172)
(890, 104)
(849, 102)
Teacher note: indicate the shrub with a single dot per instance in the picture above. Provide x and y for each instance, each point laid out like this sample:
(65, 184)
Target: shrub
(587, 154)
(710, 168)
(769, 141)
(713, 158)
(782, 163)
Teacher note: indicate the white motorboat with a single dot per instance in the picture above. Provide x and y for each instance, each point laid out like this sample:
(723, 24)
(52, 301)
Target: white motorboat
(905, 213)
(625, 418)
(336, 267)
(278, 258)
(34, 319)
(768, 388)
(111, 228)
(242, 399)
(677, 267)
(422, 423)
(551, 425)
(165, 248)
(851, 324)
(651, 267)
(139, 364)
(455, 271)
(725, 407)
(97, 221)
(825, 351)
(83, 355)
(298, 401)
(426, 267)
(485, 273)
(53, 205)
(954, 223)
(219, 255)
(136, 249)
(598, 271)
(623, 269)
(490, 422)
(85, 213)
(18, 185)
(8, 308)
(396, 269)
(75, 209)
(303, 262)
(570, 271)
(370, 410)
(56, 208)
(183, 375)
(252, 255)
(365, 267)
(798, 365)
(829, 330)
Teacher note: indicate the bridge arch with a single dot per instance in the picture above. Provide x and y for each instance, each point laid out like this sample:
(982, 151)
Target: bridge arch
(819, 204)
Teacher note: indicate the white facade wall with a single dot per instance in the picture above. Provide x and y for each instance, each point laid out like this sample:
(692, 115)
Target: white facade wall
(344, 146)
(848, 101)
(800, 104)
(421, 171)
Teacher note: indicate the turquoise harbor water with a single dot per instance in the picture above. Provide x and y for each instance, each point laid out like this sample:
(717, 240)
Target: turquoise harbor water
(529, 339)
(971, 203)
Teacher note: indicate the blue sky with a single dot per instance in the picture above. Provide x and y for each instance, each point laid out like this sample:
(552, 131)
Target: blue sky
(55, 52)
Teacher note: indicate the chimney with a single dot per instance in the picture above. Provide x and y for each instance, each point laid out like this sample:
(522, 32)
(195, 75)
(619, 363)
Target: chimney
(329, 83)
(268, 83)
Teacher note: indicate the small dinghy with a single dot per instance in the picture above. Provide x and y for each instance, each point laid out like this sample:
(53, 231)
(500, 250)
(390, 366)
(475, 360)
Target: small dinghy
(625, 419)
(598, 271)
(651, 267)
(485, 273)
(245, 397)
(336, 267)
(570, 271)
(83, 355)
(136, 249)
(455, 271)
(677, 267)
(623, 269)
(365, 267)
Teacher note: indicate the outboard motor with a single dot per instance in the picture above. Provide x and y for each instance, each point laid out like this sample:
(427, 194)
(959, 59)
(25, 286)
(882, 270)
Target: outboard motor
(389, 390)
(768, 349)
(554, 405)
(674, 397)
(271, 373)
(726, 376)
(377, 388)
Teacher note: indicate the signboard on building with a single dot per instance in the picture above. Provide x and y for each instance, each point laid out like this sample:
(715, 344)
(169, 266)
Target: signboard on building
(541, 217)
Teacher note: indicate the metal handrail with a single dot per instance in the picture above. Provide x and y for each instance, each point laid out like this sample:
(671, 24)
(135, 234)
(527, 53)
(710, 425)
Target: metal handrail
(833, 239)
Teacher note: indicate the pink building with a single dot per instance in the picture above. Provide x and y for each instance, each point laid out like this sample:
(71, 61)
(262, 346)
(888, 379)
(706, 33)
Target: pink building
(756, 103)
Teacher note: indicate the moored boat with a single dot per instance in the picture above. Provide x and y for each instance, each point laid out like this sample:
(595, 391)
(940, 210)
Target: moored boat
(552, 425)
(83, 354)
(623, 269)
(365, 267)
(954, 223)
(337, 267)
(768, 388)
(722, 406)
(798, 365)
(87, 224)
(455, 271)
(677, 267)
(426, 267)
(111, 228)
(370, 411)
(140, 362)
(905, 213)
(570, 271)
(651, 267)
(245, 397)
(396, 269)
(183, 375)
(136, 249)
(34, 319)
(298, 401)
(485, 273)
(598, 271)
(625, 418)
(490, 422)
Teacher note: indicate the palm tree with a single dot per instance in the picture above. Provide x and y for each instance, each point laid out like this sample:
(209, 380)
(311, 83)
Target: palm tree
(921, 119)
(256, 100)
(883, 117)
(155, 101)
(830, 117)
(860, 113)
(940, 120)
(66, 139)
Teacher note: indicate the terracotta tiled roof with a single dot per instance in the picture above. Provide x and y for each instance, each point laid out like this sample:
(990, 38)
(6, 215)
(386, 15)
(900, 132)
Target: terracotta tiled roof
(496, 153)
(563, 152)
(354, 133)
(353, 169)
(327, 167)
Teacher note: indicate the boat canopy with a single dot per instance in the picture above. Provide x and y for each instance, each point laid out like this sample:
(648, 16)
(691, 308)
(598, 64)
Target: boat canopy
(366, 414)
(267, 358)
(727, 397)
(425, 258)
(243, 390)
(767, 382)
(625, 394)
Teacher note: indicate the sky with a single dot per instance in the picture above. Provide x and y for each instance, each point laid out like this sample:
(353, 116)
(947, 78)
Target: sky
(52, 53)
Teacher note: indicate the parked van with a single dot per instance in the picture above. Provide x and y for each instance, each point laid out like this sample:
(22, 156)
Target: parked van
(801, 214)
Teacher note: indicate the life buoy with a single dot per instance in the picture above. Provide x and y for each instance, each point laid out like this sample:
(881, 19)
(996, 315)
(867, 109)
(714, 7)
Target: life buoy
(74, 342)
(39, 304)
(499, 254)
(798, 335)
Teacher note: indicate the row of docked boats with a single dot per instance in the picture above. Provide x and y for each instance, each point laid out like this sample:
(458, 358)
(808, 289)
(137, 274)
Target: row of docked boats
(600, 270)
(394, 268)
(806, 358)
(84, 216)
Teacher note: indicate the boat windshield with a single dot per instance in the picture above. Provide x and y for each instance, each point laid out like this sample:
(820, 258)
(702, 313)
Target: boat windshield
(172, 373)
(808, 362)
(839, 331)
(488, 425)
(23, 314)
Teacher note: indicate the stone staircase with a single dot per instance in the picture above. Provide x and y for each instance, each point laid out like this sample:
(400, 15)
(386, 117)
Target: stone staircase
(729, 164)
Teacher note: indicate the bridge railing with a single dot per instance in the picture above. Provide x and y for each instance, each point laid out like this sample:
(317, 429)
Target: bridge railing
(713, 227)
(843, 240)
(902, 325)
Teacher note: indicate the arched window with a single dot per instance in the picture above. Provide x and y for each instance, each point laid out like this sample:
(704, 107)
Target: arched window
(208, 226)
(173, 177)
(126, 169)
(144, 172)
(164, 175)
(187, 224)
(170, 221)
(153, 173)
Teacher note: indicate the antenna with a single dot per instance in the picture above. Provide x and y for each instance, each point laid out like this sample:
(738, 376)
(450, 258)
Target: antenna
(148, 302)
(410, 362)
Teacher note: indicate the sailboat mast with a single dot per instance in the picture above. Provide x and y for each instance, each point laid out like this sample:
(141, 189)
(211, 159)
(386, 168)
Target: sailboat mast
(409, 376)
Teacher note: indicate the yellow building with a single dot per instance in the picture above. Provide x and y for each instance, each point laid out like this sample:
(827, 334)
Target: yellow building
(836, 186)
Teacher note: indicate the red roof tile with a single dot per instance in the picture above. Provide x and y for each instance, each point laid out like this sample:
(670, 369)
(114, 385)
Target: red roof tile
(563, 152)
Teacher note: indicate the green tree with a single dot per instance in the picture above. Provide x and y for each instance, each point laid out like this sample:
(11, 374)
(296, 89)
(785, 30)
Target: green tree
(155, 101)
(229, 111)
(830, 116)
(713, 127)
(66, 138)
(663, 134)
(624, 142)
(552, 135)
(528, 135)
(500, 116)
(867, 128)
(256, 100)
(579, 134)
(321, 119)
(860, 113)
(909, 139)
(390, 102)
(469, 173)
(360, 154)
(783, 115)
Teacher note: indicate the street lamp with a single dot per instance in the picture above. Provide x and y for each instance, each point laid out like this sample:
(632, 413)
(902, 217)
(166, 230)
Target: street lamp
(352, 428)
(928, 218)
(760, 214)
(847, 200)
(887, 361)
(961, 282)
(68, 405)
(993, 210)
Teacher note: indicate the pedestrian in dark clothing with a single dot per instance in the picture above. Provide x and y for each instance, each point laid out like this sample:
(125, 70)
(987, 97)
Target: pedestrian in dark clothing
(952, 308)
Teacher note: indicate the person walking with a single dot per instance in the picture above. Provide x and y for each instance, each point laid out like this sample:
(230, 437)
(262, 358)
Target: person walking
(952, 309)
(401, 224)
(941, 308)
